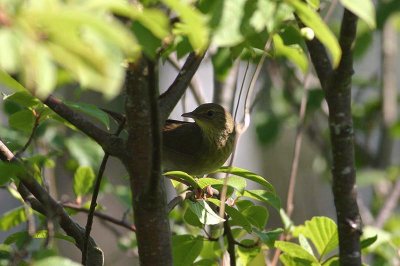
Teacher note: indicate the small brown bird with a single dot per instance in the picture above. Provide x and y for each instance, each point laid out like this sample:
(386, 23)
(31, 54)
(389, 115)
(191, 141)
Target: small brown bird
(201, 147)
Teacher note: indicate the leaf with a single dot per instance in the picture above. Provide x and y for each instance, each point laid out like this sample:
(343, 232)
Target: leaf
(247, 255)
(191, 218)
(91, 110)
(292, 52)
(84, 178)
(9, 170)
(185, 249)
(184, 176)
(366, 242)
(207, 181)
(222, 63)
(10, 82)
(205, 214)
(311, 19)
(264, 196)
(269, 237)
(246, 174)
(56, 260)
(23, 98)
(257, 216)
(12, 218)
(9, 57)
(85, 151)
(193, 24)
(42, 234)
(364, 9)
(295, 251)
(304, 244)
(322, 231)
(22, 120)
(238, 218)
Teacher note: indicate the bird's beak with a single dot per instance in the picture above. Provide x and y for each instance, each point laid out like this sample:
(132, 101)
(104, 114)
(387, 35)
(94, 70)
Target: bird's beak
(190, 114)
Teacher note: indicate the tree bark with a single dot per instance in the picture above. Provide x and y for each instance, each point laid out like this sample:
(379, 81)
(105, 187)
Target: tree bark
(143, 162)
(337, 86)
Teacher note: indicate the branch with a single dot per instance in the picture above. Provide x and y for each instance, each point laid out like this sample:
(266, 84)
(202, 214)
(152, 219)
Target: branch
(170, 98)
(102, 216)
(389, 206)
(338, 96)
(42, 202)
(194, 85)
(144, 166)
(179, 199)
(110, 143)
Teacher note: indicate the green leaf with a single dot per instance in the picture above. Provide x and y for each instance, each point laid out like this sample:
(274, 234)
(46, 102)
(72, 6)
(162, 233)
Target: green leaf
(228, 32)
(41, 77)
(207, 181)
(322, 232)
(295, 251)
(12, 218)
(364, 9)
(237, 182)
(366, 242)
(91, 110)
(246, 174)
(22, 120)
(257, 216)
(264, 196)
(193, 24)
(304, 244)
(10, 82)
(23, 98)
(183, 176)
(43, 234)
(205, 214)
(311, 19)
(185, 249)
(269, 237)
(238, 218)
(191, 218)
(83, 180)
(247, 255)
(85, 151)
(59, 261)
(9, 170)
(9, 57)
(292, 52)
(222, 62)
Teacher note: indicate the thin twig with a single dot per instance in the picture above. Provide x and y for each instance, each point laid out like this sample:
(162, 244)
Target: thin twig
(194, 85)
(35, 125)
(178, 199)
(168, 100)
(389, 206)
(93, 202)
(102, 216)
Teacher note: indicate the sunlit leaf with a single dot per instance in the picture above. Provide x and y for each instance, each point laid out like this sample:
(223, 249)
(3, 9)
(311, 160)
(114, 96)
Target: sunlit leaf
(83, 180)
(311, 19)
(12, 218)
(322, 231)
(364, 9)
(183, 176)
(246, 174)
(205, 214)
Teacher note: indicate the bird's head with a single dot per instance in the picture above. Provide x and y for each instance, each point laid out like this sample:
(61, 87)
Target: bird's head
(212, 117)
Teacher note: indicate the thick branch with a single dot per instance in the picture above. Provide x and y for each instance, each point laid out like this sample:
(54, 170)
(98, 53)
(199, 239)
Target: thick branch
(143, 162)
(45, 204)
(170, 98)
(110, 143)
(338, 96)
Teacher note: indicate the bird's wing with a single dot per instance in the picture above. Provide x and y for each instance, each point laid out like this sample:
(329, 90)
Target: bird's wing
(182, 137)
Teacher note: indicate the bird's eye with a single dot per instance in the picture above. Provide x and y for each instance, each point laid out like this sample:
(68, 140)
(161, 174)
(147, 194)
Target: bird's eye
(210, 113)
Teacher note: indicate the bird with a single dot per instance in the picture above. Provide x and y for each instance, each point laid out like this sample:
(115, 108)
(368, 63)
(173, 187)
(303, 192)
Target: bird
(198, 147)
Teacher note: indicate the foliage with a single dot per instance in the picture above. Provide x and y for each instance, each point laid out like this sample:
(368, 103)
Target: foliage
(48, 46)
